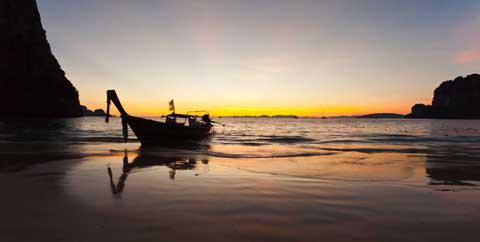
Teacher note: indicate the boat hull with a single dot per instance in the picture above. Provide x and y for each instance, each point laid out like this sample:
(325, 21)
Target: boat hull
(154, 132)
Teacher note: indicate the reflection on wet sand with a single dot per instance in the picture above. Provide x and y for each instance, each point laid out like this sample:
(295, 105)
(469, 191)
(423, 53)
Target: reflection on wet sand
(453, 163)
(454, 175)
(155, 157)
(445, 167)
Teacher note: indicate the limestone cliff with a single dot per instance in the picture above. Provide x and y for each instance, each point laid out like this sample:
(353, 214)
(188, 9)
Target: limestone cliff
(456, 99)
(32, 82)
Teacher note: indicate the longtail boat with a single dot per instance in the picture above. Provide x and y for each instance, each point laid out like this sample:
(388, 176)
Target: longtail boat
(149, 131)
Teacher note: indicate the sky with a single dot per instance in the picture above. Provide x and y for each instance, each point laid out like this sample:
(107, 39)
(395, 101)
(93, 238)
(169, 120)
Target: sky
(251, 57)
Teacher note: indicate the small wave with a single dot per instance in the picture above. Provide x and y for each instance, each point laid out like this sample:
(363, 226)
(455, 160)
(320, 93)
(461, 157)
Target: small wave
(379, 150)
(287, 155)
(268, 139)
(286, 139)
(426, 140)
(68, 140)
(244, 143)
(341, 141)
(403, 138)
(101, 139)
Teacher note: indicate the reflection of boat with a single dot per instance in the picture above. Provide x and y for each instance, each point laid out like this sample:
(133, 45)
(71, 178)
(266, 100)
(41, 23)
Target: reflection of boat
(150, 158)
(154, 132)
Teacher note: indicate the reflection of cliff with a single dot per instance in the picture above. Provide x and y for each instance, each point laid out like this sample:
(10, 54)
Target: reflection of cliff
(444, 167)
(31, 80)
(457, 99)
(453, 175)
(146, 159)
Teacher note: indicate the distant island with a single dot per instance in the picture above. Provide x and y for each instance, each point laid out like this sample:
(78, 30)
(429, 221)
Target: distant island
(453, 99)
(371, 115)
(382, 115)
(260, 116)
(95, 113)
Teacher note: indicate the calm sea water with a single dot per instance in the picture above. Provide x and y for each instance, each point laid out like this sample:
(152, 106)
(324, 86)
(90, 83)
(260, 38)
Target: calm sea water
(266, 179)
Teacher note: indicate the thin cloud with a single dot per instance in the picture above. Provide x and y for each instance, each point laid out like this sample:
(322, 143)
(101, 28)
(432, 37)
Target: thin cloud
(467, 56)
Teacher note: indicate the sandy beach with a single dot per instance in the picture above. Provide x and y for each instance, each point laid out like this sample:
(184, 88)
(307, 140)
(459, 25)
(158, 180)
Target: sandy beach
(223, 199)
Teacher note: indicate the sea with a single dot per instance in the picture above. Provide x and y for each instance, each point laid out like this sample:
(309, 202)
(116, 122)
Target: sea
(263, 179)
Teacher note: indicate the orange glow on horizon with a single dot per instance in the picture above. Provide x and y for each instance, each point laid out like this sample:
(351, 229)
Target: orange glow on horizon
(158, 106)
(151, 111)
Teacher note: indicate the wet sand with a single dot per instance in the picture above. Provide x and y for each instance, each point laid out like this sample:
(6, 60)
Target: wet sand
(72, 200)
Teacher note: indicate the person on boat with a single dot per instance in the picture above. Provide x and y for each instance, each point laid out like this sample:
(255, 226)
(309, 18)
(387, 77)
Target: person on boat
(206, 118)
(171, 120)
(192, 121)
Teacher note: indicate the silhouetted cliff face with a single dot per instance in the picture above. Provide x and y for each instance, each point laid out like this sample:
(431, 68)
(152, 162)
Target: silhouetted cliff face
(31, 80)
(459, 98)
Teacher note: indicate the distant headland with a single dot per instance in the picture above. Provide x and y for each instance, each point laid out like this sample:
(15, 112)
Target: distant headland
(372, 116)
(454, 99)
(93, 113)
(382, 115)
(261, 116)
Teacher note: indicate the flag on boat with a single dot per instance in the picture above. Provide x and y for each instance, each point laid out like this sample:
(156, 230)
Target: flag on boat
(171, 105)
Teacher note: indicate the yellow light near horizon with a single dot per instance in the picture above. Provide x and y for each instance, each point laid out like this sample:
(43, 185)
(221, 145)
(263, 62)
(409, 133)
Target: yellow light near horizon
(244, 111)
(251, 108)
(299, 111)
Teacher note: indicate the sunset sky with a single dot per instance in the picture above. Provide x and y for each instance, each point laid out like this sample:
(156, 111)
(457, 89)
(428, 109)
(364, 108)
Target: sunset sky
(248, 57)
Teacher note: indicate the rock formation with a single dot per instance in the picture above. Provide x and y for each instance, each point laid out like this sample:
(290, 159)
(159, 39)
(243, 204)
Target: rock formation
(32, 83)
(454, 99)
(89, 113)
